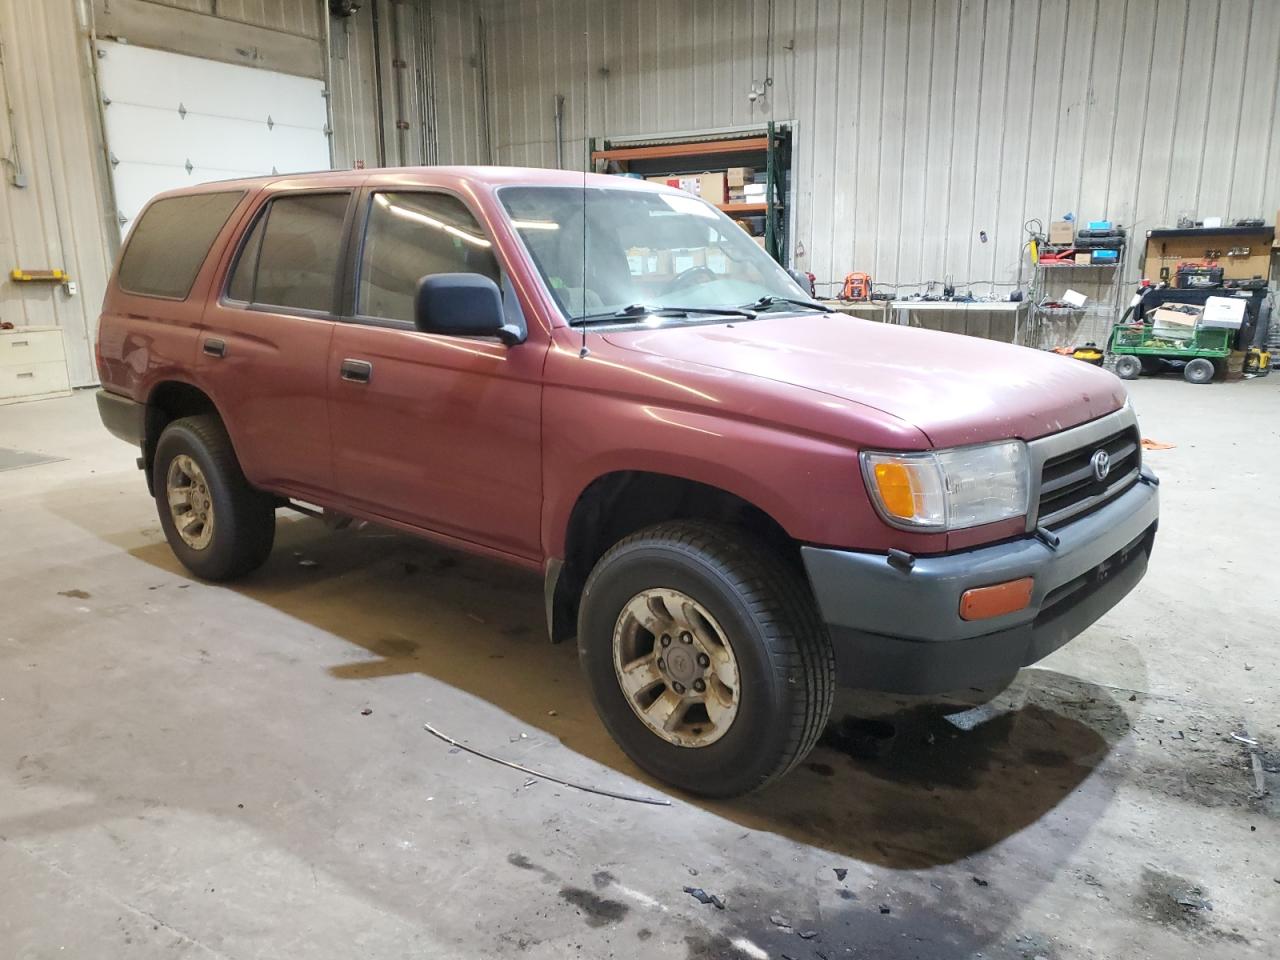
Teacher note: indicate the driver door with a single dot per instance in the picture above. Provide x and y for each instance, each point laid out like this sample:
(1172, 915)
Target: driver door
(440, 432)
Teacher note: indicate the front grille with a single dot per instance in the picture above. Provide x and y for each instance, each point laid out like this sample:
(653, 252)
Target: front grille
(1068, 486)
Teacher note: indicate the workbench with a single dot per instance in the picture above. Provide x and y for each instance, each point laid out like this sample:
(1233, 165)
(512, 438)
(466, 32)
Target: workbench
(1003, 320)
(877, 310)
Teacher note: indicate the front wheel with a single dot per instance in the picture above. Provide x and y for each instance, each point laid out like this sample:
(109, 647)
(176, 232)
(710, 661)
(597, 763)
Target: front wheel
(216, 523)
(705, 657)
(1198, 370)
(1128, 367)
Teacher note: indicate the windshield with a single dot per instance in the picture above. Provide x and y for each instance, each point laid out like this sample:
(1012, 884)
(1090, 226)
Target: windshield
(642, 247)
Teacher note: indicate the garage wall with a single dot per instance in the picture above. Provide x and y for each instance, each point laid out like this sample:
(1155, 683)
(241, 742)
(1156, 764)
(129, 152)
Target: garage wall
(59, 219)
(923, 122)
(438, 44)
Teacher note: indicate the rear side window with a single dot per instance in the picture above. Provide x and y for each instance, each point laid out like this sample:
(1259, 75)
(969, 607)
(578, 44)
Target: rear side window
(171, 241)
(290, 258)
(409, 236)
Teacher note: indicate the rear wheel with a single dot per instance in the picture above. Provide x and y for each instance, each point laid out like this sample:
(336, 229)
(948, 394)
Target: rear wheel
(216, 523)
(1128, 367)
(1199, 370)
(705, 656)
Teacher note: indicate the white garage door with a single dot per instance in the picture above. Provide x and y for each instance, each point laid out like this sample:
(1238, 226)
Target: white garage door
(173, 120)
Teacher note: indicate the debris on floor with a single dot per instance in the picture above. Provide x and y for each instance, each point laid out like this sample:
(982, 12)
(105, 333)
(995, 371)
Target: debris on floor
(366, 711)
(703, 897)
(841, 872)
(1149, 444)
(655, 801)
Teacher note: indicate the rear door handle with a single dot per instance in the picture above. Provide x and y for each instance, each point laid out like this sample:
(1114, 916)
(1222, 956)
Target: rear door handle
(215, 347)
(357, 371)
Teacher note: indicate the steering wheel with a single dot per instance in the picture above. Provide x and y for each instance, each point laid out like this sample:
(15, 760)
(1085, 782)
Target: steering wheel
(685, 276)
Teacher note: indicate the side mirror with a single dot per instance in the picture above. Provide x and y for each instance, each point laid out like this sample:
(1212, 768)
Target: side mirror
(462, 304)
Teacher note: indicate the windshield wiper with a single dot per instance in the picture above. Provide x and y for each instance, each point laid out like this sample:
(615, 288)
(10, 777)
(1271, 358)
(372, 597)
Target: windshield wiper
(766, 303)
(665, 310)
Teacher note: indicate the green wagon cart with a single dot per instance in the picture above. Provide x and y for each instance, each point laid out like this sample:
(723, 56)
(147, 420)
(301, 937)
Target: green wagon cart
(1139, 350)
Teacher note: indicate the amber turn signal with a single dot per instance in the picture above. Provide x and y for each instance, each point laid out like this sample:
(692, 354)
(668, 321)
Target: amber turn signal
(982, 603)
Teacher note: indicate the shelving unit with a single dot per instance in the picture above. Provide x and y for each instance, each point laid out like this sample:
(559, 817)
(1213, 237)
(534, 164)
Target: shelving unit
(1070, 326)
(767, 150)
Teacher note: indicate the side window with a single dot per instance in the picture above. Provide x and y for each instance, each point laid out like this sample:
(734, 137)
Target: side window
(291, 257)
(170, 242)
(242, 274)
(409, 236)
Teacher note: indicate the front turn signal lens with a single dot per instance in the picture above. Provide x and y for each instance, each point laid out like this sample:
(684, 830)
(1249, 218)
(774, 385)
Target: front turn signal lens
(894, 483)
(983, 603)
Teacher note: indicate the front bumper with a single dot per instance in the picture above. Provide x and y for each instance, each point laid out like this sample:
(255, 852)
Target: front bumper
(900, 630)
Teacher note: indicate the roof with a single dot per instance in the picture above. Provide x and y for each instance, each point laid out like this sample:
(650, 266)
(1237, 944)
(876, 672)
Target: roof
(491, 176)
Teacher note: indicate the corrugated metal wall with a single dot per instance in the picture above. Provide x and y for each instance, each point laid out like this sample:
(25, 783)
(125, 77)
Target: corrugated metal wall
(922, 123)
(301, 17)
(438, 44)
(458, 76)
(58, 220)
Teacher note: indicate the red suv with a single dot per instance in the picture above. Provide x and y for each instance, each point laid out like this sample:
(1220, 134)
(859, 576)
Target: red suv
(736, 498)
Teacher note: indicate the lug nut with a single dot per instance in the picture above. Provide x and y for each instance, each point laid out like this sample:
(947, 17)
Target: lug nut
(699, 686)
(662, 664)
(704, 660)
(678, 687)
(686, 638)
(666, 640)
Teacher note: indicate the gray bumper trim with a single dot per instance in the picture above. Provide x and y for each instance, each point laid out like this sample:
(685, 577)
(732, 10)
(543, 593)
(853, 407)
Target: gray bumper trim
(123, 418)
(861, 591)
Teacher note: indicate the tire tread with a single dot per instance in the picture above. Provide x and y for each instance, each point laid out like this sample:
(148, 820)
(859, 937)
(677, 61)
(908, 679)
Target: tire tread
(780, 601)
(252, 517)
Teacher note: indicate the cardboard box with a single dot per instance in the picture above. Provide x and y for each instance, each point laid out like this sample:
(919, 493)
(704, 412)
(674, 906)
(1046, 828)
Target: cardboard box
(1084, 258)
(739, 176)
(1223, 313)
(1176, 321)
(708, 186)
(1062, 232)
(711, 187)
(754, 191)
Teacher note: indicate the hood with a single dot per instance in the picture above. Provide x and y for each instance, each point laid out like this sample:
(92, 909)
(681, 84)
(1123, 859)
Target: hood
(956, 389)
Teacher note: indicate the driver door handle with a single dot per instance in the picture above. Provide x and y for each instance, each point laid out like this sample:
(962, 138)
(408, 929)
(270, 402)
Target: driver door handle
(356, 371)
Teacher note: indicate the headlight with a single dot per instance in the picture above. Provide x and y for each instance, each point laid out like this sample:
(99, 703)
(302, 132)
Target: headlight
(949, 489)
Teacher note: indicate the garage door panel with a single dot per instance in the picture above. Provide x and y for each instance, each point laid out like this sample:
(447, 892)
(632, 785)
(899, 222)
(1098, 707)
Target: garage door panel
(141, 135)
(235, 122)
(136, 183)
(143, 77)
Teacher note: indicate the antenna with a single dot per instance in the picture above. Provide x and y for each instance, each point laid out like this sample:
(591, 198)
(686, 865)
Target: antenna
(586, 141)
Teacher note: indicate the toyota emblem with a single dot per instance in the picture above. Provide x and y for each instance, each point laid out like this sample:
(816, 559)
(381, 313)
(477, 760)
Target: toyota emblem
(1101, 463)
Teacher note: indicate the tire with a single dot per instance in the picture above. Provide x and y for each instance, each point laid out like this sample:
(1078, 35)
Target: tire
(241, 520)
(1128, 367)
(766, 614)
(1199, 370)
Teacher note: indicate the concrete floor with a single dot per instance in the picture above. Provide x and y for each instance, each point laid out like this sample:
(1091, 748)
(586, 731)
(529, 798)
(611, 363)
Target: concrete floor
(188, 770)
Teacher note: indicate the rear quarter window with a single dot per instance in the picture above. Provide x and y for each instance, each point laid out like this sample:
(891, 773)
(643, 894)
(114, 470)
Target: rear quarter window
(170, 242)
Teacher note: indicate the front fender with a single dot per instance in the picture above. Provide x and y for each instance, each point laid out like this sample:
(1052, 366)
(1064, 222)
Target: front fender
(809, 484)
